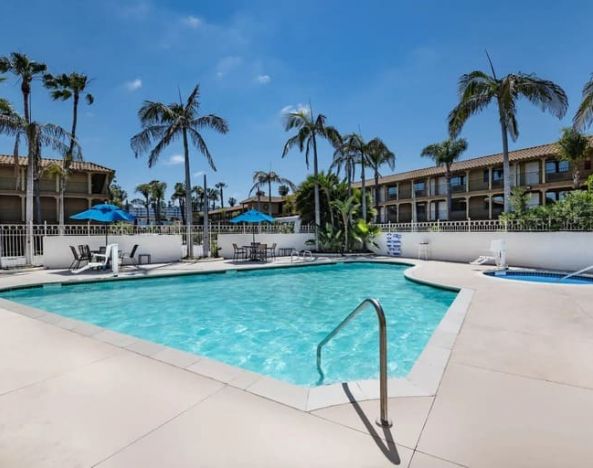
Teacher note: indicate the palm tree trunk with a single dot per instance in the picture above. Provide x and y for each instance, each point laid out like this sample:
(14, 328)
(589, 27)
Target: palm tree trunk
(74, 121)
(221, 198)
(506, 167)
(270, 198)
(32, 143)
(363, 189)
(345, 219)
(62, 183)
(258, 202)
(147, 204)
(329, 207)
(182, 210)
(376, 194)
(576, 175)
(188, 212)
(316, 193)
(449, 198)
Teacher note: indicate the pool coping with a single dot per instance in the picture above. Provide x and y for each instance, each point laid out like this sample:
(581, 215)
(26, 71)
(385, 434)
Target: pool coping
(422, 380)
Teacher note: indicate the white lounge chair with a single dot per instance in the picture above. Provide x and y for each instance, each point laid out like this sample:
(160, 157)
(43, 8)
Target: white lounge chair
(94, 263)
(498, 255)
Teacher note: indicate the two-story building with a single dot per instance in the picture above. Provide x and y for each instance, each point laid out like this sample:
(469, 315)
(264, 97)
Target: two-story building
(225, 214)
(87, 185)
(476, 186)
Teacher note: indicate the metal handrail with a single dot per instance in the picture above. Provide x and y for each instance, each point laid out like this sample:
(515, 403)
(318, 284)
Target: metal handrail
(575, 273)
(383, 420)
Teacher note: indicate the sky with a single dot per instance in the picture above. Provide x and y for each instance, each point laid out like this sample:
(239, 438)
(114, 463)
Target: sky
(388, 69)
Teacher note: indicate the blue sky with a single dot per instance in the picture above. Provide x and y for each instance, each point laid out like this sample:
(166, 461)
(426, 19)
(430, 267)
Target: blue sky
(388, 68)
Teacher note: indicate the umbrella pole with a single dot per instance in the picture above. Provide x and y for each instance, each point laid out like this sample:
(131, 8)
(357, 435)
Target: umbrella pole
(253, 231)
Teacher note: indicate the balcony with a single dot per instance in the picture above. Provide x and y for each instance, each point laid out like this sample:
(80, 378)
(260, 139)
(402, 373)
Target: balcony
(420, 193)
(558, 176)
(458, 188)
(7, 183)
(75, 186)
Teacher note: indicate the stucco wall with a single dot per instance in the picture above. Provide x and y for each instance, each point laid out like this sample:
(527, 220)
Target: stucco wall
(296, 241)
(163, 248)
(551, 250)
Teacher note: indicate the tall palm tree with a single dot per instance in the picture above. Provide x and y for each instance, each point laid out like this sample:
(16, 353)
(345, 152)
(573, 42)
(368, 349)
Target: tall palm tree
(26, 70)
(38, 135)
(179, 196)
(574, 147)
(379, 154)
(221, 186)
(584, 115)
(145, 191)
(309, 128)
(64, 87)
(199, 195)
(478, 89)
(157, 192)
(445, 154)
(347, 160)
(212, 195)
(163, 124)
(263, 178)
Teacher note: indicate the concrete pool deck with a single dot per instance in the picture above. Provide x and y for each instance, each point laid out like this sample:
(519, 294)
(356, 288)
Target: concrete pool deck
(517, 391)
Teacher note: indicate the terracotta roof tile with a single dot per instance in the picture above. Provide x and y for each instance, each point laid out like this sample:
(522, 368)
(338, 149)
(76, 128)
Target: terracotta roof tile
(83, 166)
(482, 161)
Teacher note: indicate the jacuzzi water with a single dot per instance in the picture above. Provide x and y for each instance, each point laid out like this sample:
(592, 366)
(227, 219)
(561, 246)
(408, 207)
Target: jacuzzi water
(541, 277)
(267, 321)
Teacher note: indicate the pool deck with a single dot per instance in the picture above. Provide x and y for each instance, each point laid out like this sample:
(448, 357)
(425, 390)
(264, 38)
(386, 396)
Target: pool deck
(517, 390)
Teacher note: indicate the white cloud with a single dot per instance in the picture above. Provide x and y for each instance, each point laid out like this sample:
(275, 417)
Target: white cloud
(198, 174)
(227, 64)
(133, 85)
(192, 22)
(263, 79)
(175, 160)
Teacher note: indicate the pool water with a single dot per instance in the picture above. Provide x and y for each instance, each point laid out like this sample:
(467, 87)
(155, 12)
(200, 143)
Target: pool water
(267, 321)
(541, 277)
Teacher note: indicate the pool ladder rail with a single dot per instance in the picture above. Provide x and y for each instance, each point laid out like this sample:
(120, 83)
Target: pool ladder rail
(383, 420)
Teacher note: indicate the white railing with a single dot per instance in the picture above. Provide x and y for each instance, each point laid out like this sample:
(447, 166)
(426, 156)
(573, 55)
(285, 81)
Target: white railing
(489, 226)
(13, 237)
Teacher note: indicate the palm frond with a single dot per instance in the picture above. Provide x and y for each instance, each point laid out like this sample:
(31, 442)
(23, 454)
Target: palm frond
(297, 119)
(142, 141)
(156, 113)
(211, 121)
(199, 142)
(193, 104)
(170, 134)
(464, 110)
(546, 94)
(89, 98)
(584, 114)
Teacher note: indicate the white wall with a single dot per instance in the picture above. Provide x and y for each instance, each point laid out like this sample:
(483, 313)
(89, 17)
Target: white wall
(550, 250)
(162, 248)
(296, 241)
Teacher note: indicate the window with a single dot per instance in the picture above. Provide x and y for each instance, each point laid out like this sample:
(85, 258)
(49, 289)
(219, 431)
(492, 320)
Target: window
(458, 204)
(98, 183)
(556, 195)
(555, 167)
(420, 188)
(458, 181)
(392, 214)
(497, 175)
(392, 192)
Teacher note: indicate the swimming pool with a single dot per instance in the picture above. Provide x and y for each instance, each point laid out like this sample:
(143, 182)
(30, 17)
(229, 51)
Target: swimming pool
(540, 277)
(268, 321)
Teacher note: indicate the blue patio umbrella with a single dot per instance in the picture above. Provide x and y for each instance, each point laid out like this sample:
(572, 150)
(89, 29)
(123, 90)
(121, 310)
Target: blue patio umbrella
(254, 217)
(104, 213)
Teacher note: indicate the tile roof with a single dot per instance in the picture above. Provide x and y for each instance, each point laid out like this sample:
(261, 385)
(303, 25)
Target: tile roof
(533, 152)
(263, 199)
(83, 166)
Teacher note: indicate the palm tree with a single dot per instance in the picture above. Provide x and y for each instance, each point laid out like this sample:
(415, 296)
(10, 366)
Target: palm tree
(38, 135)
(378, 154)
(327, 185)
(221, 186)
(157, 192)
(574, 147)
(584, 115)
(347, 160)
(309, 128)
(263, 178)
(259, 194)
(199, 195)
(360, 152)
(478, 89)
(232, 201)
(179, 196)
(213, 197)
(346, 208)
(26, 70)
(283, 190)
(146, 192)
(117, 195)
(64, 87)
(445, 154)
(164, 123)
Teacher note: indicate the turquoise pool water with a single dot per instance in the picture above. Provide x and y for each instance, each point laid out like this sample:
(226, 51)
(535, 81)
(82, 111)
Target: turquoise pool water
(267, 321)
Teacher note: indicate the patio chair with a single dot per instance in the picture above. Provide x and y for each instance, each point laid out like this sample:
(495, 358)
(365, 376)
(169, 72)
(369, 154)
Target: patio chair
(239, 253)
(84, 253)
(77, 260)
(96, 264)
(261, 252)
(271, 251)
(130, 256)
(498, 254)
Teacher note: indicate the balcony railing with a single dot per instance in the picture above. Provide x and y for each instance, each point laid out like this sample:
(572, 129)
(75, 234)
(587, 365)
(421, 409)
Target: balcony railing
(558, 176)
